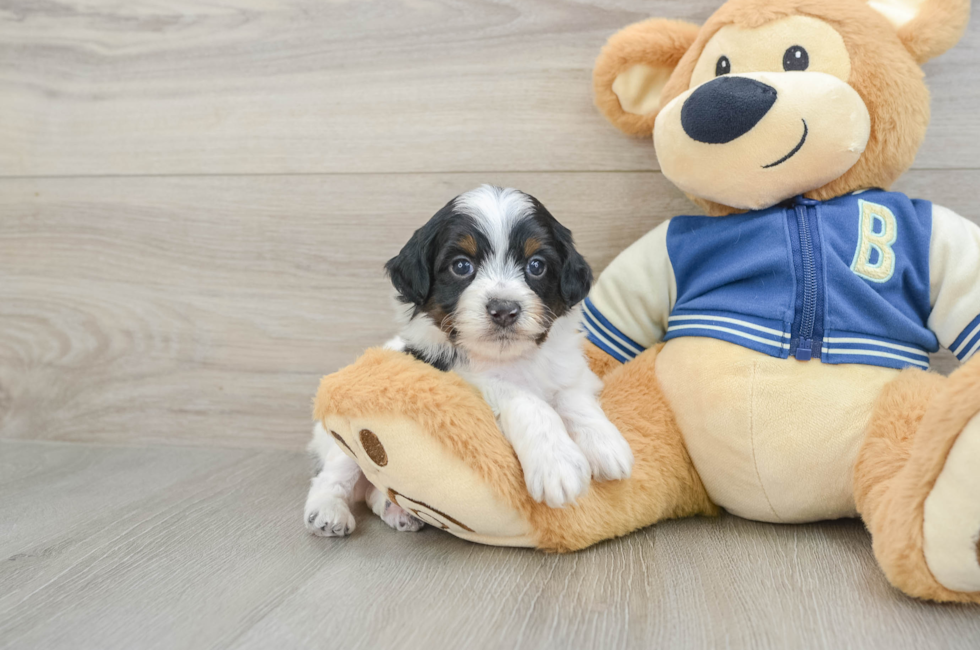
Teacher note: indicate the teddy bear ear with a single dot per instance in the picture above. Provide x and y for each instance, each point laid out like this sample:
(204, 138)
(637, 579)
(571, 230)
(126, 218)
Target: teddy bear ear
(927, 28)
(633, 68)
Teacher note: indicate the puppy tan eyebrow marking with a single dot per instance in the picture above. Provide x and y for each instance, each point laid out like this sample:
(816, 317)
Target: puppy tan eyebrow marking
(468, 244)
(531, 246)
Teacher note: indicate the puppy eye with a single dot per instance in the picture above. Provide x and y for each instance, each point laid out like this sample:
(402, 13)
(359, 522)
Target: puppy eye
(461, 267)
(536, 267)
(796, 58)
(724, 66)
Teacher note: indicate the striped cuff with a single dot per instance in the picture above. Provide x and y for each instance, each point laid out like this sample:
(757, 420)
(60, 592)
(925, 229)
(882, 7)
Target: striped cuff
(843, 347)
(967, 343)
(604, 334)
(756, 334)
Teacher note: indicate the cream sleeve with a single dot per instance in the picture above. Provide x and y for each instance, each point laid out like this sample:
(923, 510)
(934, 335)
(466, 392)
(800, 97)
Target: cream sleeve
(954, 268)
(628, 308)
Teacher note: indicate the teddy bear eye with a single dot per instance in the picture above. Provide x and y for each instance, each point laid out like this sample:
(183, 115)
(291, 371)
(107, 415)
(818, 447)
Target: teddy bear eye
(796, 58)
(724, 66)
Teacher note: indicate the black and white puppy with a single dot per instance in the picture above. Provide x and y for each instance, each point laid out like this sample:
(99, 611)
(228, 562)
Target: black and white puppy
(490, 288)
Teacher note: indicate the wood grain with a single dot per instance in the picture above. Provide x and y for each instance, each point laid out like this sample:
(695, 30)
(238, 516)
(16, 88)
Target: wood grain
(196, 198)
(203, 310)
(181, 548)
(266, 86)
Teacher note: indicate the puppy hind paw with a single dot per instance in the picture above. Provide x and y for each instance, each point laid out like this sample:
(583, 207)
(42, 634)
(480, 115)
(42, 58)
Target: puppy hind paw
(400, 519)
(329, 518)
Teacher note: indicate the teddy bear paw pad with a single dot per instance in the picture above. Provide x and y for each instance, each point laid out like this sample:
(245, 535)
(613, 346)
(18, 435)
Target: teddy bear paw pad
(951, 517)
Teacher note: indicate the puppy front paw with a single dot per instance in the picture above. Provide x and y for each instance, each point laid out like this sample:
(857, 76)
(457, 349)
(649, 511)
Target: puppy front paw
(329, 517)
(557, 475)
(607, 451)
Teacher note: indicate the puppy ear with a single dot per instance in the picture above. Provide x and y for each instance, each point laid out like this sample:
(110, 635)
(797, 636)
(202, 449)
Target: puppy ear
(633, 68)
(411, 270)
(927, 28)
(576, 277)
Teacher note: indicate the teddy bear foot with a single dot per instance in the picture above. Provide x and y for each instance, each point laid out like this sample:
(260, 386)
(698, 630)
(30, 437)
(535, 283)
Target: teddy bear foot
(951, 516)
(918, 488)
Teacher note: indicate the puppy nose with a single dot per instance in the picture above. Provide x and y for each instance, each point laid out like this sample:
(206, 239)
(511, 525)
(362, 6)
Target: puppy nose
(726, 108)
(503, 312)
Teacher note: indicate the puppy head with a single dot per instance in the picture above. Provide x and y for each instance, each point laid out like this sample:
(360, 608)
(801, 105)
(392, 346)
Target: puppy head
(489, 274)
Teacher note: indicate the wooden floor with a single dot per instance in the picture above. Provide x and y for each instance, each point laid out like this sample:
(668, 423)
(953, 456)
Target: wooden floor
(171, 547)
(196, 199)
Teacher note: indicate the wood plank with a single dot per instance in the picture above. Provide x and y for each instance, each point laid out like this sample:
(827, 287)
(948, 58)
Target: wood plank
(203, 310)
(263, 86)
(56, 498)
(693, 583)
(183, 548)
(147, 548)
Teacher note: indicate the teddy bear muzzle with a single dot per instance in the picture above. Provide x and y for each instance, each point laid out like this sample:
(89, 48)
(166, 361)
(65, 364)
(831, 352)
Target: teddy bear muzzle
(750, 141)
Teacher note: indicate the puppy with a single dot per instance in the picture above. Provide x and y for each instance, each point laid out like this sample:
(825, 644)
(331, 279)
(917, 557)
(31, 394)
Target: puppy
(490, 289)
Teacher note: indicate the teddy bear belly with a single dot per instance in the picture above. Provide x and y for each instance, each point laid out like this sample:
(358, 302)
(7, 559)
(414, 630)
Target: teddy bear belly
(772, 439)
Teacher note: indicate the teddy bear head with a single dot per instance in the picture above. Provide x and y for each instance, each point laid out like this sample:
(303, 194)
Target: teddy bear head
(770, 99)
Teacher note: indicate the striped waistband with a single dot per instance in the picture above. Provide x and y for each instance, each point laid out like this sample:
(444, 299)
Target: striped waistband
(847, 347)
(772, 338)
(762, 335)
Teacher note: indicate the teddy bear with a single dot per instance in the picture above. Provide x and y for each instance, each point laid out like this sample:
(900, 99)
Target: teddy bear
(769, 357)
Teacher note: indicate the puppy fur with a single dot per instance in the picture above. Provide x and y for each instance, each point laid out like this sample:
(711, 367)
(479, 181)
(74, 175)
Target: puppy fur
(489, 288)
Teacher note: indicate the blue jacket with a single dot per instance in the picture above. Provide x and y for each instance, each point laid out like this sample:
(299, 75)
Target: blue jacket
(848, 280)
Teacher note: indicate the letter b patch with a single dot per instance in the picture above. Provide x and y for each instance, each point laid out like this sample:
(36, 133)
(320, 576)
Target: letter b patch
(874, 258)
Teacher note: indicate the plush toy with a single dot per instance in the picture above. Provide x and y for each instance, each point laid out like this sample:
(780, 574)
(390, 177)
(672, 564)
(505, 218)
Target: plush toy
(771, 358)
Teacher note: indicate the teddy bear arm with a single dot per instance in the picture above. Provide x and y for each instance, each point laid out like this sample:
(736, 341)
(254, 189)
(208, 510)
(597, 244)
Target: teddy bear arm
(955, 277)
(628, 309)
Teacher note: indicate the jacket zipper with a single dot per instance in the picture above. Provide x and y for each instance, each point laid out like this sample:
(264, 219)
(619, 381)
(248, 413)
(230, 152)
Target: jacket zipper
(804, 350)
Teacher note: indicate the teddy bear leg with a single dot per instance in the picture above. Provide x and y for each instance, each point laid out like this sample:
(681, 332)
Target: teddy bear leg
(917, 483)
(634, 401)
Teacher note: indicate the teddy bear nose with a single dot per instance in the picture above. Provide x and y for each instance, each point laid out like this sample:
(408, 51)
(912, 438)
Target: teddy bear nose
(726, 108)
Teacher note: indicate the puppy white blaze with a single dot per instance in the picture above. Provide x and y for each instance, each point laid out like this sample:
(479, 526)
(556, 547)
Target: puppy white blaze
(499, 277)
(496, 211)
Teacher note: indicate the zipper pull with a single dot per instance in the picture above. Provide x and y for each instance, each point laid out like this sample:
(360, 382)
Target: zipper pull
(802, 200)
(804, 351)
